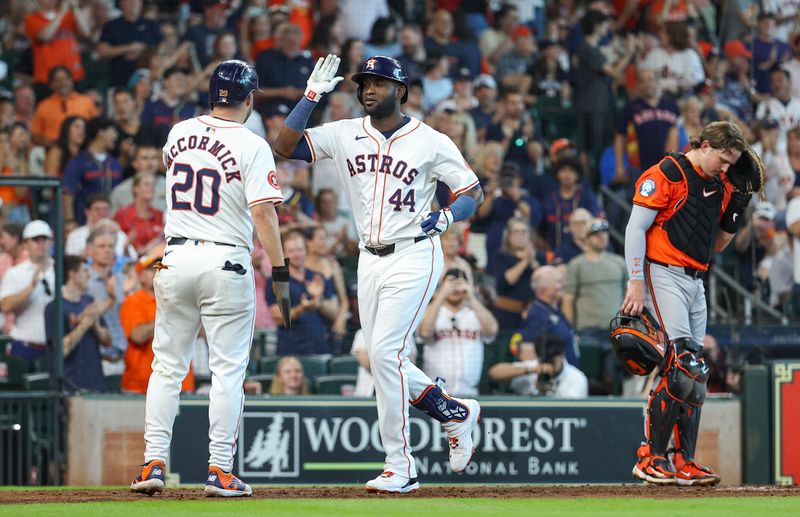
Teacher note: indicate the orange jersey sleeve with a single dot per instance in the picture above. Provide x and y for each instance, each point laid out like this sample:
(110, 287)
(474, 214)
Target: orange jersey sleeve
(654, 190)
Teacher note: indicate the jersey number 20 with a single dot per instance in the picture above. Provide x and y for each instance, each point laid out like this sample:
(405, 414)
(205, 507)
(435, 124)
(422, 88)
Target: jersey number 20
(199, 180)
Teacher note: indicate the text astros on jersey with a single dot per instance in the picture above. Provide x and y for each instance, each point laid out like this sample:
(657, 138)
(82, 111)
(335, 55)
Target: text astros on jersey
(382, 177)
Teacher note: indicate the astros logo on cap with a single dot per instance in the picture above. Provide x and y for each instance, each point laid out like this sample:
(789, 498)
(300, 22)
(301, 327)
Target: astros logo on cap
(370, 64)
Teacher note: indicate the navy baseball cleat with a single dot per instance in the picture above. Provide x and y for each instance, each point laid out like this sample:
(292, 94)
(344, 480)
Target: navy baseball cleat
(391, 483)
(224, 484)
(151, 480)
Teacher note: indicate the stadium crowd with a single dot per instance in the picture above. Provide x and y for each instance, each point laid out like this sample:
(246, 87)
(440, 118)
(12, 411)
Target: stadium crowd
(548, 101)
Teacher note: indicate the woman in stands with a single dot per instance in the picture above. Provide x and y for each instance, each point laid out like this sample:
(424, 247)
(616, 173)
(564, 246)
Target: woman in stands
(289, 378)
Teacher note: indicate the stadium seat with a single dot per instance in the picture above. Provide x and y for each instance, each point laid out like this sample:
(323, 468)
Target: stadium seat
(313, 367)
(113, 383)
(267, 364)
(265, 379)
(591, 350)
(40, 364)
(39, 381)
(11, 371)
(333, 384)
(345, 365)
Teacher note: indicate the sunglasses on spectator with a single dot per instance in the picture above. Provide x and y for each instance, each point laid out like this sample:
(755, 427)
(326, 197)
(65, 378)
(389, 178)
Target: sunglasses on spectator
(598, 226)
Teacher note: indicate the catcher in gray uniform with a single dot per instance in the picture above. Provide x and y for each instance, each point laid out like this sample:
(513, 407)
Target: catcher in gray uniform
(685, 208)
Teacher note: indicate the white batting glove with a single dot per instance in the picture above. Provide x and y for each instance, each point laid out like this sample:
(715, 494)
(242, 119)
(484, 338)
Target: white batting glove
(437, 222)
(323, 78)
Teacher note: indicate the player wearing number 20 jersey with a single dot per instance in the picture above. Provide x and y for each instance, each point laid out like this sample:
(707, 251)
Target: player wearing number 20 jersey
(216, 171)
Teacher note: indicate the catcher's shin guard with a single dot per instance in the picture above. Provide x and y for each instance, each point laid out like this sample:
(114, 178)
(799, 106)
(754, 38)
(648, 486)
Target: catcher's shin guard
(662, 412)
(685, 433)
(682, 387)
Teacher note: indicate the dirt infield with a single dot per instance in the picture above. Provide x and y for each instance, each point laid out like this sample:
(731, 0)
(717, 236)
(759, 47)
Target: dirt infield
(492, 492)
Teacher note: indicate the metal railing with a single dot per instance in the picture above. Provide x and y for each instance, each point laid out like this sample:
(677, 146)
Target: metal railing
(31, 438)
(33, 424)
(717, 279)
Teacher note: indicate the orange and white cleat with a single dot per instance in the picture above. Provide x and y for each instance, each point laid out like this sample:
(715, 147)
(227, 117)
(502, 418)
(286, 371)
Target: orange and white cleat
(691, 473)
(224, 484)
(151, 480)
(657, 470)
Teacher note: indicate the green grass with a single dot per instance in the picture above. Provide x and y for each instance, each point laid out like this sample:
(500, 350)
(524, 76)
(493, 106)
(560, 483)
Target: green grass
(389, 507)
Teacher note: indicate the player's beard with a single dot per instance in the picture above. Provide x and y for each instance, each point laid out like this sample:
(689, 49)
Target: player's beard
(382, 109)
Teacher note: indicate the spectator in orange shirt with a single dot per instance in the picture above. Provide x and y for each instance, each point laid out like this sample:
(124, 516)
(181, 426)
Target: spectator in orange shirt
(63, 103)
(52, 30)
(143, 223)
(138, 316)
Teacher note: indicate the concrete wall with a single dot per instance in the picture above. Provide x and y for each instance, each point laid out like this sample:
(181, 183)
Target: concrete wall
(105, 441)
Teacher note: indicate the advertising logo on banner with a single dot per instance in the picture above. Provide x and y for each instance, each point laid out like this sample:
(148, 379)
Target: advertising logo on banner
(339, 441)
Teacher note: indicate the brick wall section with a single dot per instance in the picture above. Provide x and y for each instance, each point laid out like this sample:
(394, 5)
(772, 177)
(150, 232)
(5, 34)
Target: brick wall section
(124, 451)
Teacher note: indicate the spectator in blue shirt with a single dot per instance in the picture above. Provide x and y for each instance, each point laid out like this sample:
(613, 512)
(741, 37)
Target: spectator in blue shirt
(559, 204)
(545, 316)
(514, 265)
(503, 203)
(83, 332)
(484, 87)
(94, 170)
(124, 39)
(651, 119)
(172, 107)
(202, 35)
(284, 69)
(313, 301)
(768, 52)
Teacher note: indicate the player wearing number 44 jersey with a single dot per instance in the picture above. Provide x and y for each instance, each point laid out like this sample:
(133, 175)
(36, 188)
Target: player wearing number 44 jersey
(221, 182)
(388, 164)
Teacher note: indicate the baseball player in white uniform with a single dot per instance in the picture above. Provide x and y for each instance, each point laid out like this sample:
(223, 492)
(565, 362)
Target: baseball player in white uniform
(388, 164)
(221, 181)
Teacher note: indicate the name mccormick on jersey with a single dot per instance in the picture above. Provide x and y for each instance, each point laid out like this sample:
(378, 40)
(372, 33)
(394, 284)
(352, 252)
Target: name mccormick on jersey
(399, 168)
(217, 150)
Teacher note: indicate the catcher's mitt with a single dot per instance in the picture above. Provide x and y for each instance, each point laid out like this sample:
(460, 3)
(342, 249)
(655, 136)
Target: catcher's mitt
(747, 174)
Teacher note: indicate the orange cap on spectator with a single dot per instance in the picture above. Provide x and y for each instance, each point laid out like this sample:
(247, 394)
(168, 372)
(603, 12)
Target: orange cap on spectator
(522, 32)
(145, 262)
(559, 145)
(735, 48)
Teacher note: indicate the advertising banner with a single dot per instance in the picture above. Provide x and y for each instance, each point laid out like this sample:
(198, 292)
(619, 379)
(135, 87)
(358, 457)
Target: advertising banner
(786, 379)
(337, 441)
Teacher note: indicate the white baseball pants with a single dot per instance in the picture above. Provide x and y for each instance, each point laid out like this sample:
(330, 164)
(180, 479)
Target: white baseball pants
(195, 291)
(393, 292)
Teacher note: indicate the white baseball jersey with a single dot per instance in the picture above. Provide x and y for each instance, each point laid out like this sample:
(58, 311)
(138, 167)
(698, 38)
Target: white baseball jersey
(788, 115)
(216, 171)
(571, 383)
(456, 351)
(679, 70)
(782, 8)
(389, 205)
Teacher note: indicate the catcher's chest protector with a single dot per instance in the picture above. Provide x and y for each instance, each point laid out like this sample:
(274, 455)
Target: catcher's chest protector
(693, 227)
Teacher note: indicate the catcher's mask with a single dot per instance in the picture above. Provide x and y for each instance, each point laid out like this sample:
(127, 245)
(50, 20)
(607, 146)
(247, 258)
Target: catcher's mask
(638, 342)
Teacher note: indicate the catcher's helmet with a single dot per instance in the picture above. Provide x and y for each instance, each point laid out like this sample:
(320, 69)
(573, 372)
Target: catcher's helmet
(638, 342)
(231, 82)
(382, 66)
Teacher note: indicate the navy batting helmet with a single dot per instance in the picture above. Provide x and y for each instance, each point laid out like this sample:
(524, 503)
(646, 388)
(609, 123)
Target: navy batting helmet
(231, 82)
(385, 67)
